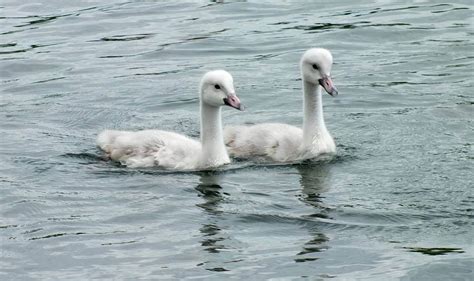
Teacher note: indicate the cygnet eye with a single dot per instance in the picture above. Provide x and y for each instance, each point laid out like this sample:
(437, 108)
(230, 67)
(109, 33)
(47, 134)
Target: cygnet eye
(315, 67)
(217, 87)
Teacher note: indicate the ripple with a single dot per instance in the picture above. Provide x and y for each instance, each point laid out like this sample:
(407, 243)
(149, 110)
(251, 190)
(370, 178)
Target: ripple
(15, 51)
(8, 226)
(317, 27)
(55, 235)
(88, 157)
(338, 219)
(40, 20)
(127, 37)
(6, 45)
(450, 10)
(50, 80)
(119, 243)
(434, 251)
(159, 73)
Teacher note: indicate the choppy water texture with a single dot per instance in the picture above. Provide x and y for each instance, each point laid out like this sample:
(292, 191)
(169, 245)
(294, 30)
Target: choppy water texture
(395, 204)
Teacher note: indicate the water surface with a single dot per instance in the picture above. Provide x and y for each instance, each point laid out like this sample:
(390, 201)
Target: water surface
(396, 203)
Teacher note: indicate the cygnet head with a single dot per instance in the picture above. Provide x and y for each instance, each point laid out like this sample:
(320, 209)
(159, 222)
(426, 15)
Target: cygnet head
(217, 89)
(316, 67)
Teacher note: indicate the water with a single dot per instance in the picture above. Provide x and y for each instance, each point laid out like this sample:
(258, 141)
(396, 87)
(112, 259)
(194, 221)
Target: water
(396, 203)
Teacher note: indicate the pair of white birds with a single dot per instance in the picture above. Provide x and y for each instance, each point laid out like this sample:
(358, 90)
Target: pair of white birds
(271, 141)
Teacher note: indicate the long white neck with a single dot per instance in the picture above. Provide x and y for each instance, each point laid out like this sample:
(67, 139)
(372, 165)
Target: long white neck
(313, 122)
(212, 140)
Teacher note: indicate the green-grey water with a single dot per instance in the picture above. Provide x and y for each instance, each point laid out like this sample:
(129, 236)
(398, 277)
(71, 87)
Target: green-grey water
(396, 203)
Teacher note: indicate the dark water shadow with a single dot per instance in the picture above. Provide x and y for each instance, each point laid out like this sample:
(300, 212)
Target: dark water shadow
(210, 190)
(314, 182)
(212, 239)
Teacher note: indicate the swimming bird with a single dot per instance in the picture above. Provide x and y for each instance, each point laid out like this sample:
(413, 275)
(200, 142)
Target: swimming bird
(277, 142)
(173, 151)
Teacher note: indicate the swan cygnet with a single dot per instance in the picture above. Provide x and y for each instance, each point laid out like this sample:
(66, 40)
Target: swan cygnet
(173, 151)
(276, 142)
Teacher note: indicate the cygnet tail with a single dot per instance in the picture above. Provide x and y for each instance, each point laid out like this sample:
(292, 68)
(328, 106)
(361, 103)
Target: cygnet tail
(106, 138)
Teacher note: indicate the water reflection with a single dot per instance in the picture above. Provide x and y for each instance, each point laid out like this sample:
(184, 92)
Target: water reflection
(312, 247)
(212, 237)
(314, 182)
(210, 191)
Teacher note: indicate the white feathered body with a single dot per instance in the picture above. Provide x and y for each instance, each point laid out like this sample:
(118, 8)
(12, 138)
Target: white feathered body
(168, 150)
(275, 142)
(150, 148)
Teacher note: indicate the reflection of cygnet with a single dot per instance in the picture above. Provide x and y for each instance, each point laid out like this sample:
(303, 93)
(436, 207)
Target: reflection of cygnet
(174, 151)
(314, 177)
(210, 191)
(314, 181)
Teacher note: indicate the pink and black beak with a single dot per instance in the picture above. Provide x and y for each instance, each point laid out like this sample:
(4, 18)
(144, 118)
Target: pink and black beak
(328, 86)
(233, 101)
